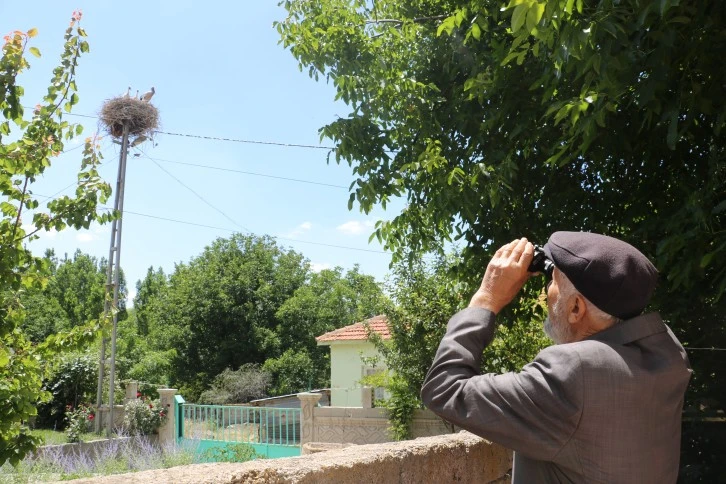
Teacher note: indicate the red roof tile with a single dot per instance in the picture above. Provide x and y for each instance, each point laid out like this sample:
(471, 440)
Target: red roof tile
(357, 331)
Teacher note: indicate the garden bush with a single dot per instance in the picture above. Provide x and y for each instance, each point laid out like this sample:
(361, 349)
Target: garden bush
(143, 416)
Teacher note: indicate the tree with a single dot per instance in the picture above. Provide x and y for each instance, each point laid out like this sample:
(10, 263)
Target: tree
(79, 286)
(329, 300)
(247, 383)
(540, 115)
(147, 291)
(27, 149)
(295, 371)
(424, 297)
(219, 310)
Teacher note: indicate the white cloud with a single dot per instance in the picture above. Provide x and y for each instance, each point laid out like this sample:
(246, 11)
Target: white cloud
(356, 227)
(85, 237)
(299, 230)
(319, 266)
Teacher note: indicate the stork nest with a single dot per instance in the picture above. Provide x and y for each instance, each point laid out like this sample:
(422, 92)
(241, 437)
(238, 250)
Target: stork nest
(141, 117)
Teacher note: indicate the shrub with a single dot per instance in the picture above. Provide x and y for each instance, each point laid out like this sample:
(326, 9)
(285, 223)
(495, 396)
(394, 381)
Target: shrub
(231, 453)
(144, 417)
(73, 381)
(79, 422)
(247, 383)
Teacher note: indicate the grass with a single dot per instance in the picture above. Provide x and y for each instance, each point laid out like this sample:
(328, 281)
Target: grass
(54, 437)
(113, 457)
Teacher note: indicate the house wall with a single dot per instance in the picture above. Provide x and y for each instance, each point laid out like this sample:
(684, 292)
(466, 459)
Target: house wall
(346, 371)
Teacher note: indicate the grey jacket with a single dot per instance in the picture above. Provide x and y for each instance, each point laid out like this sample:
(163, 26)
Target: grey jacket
(606, 409)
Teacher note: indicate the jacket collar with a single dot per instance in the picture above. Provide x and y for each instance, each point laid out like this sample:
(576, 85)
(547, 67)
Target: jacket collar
(631, 330)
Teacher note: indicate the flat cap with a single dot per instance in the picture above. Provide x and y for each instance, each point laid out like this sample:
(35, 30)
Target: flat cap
(615, 276)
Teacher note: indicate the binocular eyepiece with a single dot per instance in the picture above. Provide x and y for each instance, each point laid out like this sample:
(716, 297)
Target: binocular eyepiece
(541, 263)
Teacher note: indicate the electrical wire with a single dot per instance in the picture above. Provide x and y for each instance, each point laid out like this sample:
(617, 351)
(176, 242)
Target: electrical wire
(233, 140)
(196, 194)
(252, 173)
(232, 231)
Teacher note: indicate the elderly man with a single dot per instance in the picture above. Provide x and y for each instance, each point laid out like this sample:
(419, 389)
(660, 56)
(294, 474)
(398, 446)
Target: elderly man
(603, 404)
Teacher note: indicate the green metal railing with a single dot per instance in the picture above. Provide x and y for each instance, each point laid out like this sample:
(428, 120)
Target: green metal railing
(233, 423)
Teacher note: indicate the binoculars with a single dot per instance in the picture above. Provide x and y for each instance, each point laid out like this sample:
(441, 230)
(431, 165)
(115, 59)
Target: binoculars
(541, 263)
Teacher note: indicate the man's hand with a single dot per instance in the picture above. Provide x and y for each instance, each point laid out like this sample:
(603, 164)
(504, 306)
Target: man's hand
(505, 276)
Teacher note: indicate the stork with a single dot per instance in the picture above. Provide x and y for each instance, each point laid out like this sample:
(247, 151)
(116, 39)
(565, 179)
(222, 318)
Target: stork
(137, 94)
(148, 95)
(139, 140)
(128, 92)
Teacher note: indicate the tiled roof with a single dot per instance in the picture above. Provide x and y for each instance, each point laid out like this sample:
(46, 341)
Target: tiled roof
(357, 331)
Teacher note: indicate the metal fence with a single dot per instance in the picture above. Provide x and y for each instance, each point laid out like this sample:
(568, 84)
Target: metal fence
(235, 423)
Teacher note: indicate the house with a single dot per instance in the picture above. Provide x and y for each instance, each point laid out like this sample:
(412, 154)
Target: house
(348, 348)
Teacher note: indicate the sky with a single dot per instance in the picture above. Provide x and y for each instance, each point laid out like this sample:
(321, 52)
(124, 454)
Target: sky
(218, 72)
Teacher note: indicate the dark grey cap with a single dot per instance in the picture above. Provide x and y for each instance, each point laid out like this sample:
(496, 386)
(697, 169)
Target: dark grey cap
(615, 276)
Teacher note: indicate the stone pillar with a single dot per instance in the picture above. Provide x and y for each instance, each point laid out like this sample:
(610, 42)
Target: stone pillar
(167, 431)
(308, 402)
(367, 397)
(132, 388)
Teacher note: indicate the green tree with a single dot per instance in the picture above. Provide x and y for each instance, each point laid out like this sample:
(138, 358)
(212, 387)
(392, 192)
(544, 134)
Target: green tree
(147, 293)
(295, 371)
(219, 310)
(496, 120)
(27, 149)
(79, 286)
(249, 382)
(330, 299)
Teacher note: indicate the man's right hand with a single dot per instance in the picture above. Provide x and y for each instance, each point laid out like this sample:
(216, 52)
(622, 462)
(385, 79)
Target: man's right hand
(505, 276)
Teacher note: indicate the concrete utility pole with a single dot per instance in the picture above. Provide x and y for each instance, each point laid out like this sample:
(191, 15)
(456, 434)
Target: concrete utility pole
(112, 283)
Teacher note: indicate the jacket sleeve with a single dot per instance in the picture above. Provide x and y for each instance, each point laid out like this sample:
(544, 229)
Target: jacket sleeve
(535, 411)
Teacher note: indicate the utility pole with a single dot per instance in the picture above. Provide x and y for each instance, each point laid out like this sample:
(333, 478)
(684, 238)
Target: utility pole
(112, 284)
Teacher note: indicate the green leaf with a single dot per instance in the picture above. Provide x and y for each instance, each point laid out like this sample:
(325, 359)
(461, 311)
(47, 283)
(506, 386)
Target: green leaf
(35, 51)
(475, 31)
(518, 17)
(568, 6)
(32, 32)
(672, 136)
(534, 15)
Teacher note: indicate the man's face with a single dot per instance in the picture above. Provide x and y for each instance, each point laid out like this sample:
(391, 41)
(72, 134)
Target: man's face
(556, 325)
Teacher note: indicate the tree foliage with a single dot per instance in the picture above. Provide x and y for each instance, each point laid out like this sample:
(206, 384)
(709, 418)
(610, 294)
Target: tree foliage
(497, 120)
(244, 300)
(500, 122)
(28, 146)
(249, 382)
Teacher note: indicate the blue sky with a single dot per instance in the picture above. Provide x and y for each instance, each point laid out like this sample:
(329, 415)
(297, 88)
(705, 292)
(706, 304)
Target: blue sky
(218, 71)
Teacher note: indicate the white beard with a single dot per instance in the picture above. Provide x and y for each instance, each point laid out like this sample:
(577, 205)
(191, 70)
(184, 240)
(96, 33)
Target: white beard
(556, 326)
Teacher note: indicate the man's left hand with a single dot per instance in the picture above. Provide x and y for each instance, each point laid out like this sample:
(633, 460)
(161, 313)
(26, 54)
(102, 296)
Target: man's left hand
(505, 276)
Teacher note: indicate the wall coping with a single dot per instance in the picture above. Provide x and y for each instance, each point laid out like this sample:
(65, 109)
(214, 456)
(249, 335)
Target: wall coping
(461, 457)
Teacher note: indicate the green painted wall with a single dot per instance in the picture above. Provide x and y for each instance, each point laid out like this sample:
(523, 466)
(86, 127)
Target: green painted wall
(346, 371)
(268, 450)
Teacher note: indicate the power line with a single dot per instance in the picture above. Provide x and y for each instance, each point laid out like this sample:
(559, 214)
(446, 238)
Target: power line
(235, 140)
(704, 349)
(253, 173)
(196, 194)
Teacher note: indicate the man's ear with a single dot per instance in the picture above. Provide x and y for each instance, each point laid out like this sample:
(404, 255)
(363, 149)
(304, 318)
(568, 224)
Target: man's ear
(576, 309)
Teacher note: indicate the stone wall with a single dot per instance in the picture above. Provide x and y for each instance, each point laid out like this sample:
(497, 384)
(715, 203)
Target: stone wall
(461, 458)
(358, 425)
(367, 425)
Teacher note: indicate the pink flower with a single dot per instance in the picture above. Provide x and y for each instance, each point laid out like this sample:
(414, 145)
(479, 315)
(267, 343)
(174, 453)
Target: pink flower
(91, 417)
